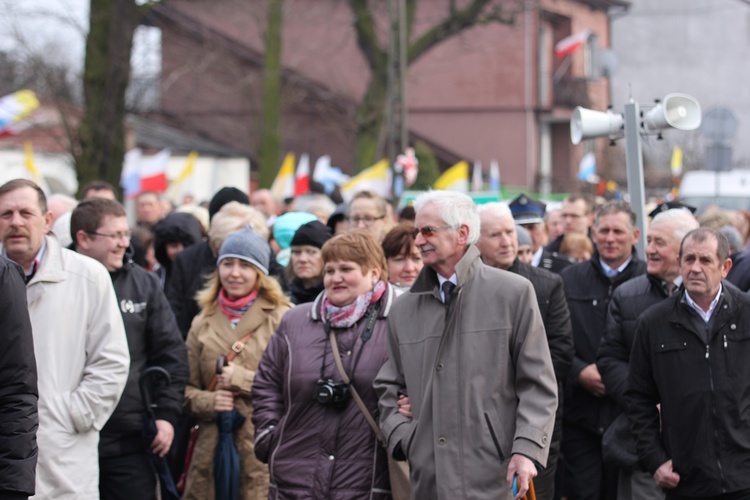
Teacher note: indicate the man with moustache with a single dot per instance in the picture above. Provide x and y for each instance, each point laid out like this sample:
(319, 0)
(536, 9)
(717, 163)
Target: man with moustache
(497, 244)
(588, 408)
(467, 344)
(99, 228)
(689, 383)
(662, 280)
(79, 342)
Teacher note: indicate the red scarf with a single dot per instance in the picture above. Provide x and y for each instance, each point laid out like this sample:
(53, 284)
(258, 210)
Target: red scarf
(235, 309)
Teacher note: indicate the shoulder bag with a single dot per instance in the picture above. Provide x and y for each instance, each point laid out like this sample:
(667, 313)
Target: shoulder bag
(236, 349)
(397, 471)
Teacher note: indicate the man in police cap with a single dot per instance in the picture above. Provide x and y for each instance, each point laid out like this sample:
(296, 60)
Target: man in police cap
(529, 214)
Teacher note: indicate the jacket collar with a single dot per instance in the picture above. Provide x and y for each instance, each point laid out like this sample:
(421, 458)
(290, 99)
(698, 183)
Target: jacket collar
(626, 273)
(252, 319)
(427, 281)
(386, 302)
(52, 267)
(726, 308)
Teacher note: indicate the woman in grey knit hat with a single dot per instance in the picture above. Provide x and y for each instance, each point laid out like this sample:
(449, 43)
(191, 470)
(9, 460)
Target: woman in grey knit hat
(241, 308)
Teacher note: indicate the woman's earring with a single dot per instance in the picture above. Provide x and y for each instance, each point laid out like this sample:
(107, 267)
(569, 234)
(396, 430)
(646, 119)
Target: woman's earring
(374, 281)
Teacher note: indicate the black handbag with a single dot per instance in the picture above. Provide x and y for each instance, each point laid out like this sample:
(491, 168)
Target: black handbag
(618, 444)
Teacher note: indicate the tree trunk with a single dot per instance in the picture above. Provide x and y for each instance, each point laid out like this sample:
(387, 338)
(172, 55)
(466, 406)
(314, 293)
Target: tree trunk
(105, 78)
(269, 151)
(368, 147)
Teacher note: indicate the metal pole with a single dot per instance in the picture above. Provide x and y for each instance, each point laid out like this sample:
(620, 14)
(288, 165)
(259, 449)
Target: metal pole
(402, 72)
(634, 162)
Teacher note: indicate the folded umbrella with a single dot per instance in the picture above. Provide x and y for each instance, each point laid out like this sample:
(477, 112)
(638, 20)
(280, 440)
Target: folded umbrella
(151, 381)
(227, 458)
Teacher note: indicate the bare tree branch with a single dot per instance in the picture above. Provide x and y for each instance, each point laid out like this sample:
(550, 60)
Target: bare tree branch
(367, 38)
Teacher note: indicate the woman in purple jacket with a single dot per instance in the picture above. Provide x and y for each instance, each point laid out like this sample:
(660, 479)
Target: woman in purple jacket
(313, 436)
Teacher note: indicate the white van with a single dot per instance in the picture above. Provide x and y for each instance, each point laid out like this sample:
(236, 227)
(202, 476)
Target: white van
(729, 189)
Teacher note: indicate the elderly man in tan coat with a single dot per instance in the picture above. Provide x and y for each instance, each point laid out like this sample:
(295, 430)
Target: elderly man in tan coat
(468, 348)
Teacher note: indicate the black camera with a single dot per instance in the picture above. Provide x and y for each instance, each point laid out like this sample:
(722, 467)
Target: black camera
(331, 393)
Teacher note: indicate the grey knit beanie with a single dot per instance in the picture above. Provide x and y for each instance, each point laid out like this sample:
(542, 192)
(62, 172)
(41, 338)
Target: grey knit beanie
(247, 245)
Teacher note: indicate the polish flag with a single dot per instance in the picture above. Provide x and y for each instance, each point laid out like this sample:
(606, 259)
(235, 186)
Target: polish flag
(571, 43)
(153, 172)
(302, 176)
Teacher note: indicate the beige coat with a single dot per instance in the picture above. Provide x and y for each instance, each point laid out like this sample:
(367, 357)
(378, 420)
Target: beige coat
(479, 377)
(210, 336)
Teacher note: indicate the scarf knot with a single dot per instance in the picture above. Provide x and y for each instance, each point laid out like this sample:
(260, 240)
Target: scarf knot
(235, 309)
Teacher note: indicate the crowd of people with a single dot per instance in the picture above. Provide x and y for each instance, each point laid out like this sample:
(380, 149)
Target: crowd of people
(242, 349)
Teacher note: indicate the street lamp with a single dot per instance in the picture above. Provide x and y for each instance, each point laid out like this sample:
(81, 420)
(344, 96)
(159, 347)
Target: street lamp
(679, 111)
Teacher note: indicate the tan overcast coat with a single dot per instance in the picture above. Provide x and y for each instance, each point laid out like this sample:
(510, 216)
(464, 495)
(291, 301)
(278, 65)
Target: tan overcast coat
(210, 336)
(479, 378)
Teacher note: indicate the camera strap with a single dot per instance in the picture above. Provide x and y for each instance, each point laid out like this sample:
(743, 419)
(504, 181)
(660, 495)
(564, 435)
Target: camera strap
(355, 395)
(372, 317)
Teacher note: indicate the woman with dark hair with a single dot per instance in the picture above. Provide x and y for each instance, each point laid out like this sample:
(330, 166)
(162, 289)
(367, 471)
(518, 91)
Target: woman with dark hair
(304, 273)
(315, 439)
(172, 235)
(402, 255)
(241, 309)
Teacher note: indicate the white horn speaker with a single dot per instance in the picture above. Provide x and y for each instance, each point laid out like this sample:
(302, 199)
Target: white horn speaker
(587, 124)
(679, 111)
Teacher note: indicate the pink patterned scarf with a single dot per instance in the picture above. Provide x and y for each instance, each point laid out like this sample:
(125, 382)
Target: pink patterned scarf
(346, 316)
(235, 309)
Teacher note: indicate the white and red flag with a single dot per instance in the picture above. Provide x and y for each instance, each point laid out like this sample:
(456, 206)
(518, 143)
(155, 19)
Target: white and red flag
(571, 43)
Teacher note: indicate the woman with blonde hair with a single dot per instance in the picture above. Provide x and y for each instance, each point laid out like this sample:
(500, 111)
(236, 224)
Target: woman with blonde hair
(241, 309)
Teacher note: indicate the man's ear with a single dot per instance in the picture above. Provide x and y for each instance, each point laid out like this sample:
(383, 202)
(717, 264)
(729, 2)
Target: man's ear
(82, 240)
(463, 234)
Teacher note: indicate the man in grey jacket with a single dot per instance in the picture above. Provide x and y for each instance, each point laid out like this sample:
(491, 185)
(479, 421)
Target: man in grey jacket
(467, 345)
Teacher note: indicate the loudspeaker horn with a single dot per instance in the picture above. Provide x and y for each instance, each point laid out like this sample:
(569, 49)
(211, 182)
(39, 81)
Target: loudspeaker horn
(587, 124)
(679, 111)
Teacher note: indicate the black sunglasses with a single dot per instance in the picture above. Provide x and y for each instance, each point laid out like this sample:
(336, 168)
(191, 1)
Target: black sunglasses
(427, 231)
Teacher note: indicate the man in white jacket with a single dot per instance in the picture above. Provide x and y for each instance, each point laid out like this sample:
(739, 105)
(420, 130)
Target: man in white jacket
(79, 342)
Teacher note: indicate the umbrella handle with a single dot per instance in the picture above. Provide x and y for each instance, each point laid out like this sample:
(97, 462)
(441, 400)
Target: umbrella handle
(149, 373)
(221, 362)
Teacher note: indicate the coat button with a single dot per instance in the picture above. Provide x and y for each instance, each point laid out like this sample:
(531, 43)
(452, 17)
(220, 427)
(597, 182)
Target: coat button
(441, 441)
(331, 457)
(348, 353)
(733, 326)
(439, 366)
(544, 439)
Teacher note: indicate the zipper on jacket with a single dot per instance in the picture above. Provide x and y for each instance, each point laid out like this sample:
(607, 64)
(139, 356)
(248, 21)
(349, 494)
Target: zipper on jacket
(725, 341)
(716, 422)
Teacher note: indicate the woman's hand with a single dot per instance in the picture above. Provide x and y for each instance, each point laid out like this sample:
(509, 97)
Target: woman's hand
(404, 406)
(224, 401)
(225, 377)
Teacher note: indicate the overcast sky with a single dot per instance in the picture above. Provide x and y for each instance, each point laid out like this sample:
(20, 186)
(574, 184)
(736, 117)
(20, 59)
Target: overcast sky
(57, 28)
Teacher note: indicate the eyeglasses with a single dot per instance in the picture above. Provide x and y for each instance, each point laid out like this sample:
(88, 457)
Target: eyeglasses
(367, 219)
(117, 236)
(427, 231)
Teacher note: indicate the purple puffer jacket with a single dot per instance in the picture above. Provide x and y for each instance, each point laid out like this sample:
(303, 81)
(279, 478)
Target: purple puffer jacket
(315, 451)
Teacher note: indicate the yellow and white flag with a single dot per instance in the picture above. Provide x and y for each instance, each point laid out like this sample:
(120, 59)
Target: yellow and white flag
(283, 186)
(377, 178)
(455, 178)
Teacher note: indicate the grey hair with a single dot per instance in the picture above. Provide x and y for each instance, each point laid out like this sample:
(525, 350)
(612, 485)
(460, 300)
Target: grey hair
(455, 209)
(232, 217)
(684, 219)
(315, 204)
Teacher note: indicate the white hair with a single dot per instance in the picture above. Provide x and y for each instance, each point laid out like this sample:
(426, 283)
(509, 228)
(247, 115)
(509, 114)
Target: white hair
(316, 204)
(683, 219)
(455, 209)
(232, 217)
(495, 208)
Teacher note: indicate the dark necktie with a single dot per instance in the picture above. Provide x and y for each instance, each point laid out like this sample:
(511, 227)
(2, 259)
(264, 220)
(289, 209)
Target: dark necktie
(447, 288)
(670, 287)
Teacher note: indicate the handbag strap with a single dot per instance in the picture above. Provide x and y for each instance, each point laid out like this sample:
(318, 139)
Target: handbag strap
(355, 395)
(236, 349)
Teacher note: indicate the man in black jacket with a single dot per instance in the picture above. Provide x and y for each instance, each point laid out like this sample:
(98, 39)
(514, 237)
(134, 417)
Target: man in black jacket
(690, 356)
(18, 391)
(628, 302)
(99, 229)
(498, 246)
(588, 409)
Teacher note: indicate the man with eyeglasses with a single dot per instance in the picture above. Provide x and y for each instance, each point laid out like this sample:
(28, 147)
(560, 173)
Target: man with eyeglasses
(99, 228)
(577, 216)
(467, 346)
(79, 343)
